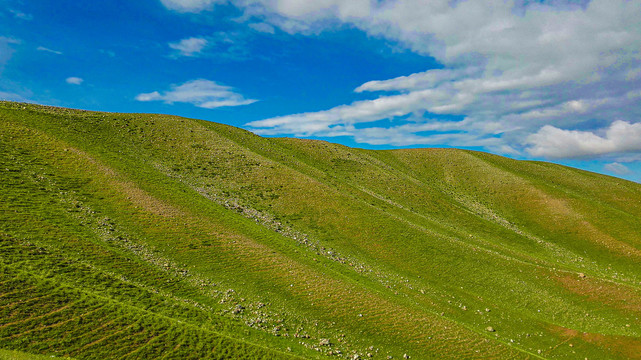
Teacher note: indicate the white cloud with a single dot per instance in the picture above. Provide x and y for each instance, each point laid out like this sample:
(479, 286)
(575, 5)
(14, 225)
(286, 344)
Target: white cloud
(42, 48)
(308, 124)
(510, 67)
(552, 142)
(431, 133)
(617, 168)
(190, 5)
(21, 15)
(190, 46)
(107, 52)
(422, 80)
(202, 93)
(8, 96)
(6, 50)
(222, 46)
(262, 27)
(628, 158)
(74, 80)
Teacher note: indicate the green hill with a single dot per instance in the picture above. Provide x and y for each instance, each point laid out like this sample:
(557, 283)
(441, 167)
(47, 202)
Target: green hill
(136, 236)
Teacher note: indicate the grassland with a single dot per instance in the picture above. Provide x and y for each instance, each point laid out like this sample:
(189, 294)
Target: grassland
(151, 236)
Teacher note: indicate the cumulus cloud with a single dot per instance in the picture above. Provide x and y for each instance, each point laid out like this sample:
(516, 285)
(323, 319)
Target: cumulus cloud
(74, 80)
(190, 46)
(509, 67)
(202, 93)
(617, 168)
(552, 142)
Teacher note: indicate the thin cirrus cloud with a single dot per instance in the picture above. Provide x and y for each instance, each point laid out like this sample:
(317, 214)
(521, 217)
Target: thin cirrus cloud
(6, 50)
(263, 28)
(190, 46)
(42, 48)
(9, 96)
(21, 15)
(617, 168)
(202, 93)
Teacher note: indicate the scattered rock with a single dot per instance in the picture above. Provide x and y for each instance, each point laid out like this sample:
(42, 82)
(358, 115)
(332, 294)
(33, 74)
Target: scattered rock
(490, 329)
(405, 356)
(324, 342)
(582, 275)
(487, 310)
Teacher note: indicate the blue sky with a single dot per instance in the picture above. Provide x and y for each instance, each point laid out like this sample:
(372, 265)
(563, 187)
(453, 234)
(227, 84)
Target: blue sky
(555, 80)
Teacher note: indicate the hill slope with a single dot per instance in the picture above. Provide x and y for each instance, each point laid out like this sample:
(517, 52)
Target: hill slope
(150, 236)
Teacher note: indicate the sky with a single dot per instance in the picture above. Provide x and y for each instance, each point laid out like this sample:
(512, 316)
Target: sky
(555, 80)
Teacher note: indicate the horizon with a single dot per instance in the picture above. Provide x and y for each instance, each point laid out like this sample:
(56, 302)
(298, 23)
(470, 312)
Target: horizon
(555, 81)
(348, 146)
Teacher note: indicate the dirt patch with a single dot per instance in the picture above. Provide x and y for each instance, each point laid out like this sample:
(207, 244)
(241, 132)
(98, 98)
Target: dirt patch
(618, 296)
(136, 195)
(626, 346)
(557, 214)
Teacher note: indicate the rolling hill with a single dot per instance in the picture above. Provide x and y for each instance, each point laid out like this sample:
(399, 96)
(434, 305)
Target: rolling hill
(138, 236)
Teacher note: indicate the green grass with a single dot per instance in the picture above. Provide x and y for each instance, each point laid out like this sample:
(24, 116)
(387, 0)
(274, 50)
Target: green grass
(19, 355)
(151, 236)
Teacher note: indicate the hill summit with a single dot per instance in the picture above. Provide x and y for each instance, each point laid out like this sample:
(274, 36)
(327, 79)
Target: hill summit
(133, 236)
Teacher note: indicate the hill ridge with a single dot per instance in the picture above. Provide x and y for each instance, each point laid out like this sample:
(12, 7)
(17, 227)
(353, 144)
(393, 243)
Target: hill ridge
(304, 248)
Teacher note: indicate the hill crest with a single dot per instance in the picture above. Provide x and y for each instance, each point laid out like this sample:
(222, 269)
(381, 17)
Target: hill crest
(136, 235)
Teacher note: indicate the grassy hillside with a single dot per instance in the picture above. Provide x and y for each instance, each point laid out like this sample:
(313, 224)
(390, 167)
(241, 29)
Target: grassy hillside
(153, 236)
